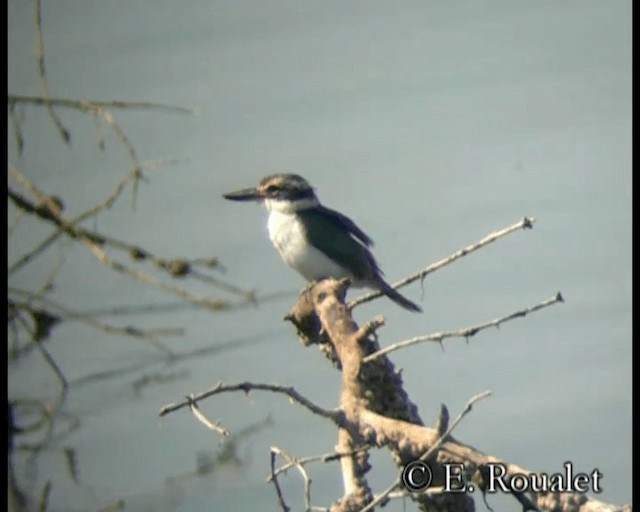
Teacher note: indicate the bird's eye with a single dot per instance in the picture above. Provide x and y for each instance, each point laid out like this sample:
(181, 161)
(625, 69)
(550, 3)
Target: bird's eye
(272, 190)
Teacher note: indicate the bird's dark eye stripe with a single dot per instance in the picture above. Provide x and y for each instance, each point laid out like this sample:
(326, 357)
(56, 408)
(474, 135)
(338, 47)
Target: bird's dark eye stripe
(300, 194)
(291, 193)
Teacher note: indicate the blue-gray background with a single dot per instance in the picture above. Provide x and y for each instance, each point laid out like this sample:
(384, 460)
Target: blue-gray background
(429, 123)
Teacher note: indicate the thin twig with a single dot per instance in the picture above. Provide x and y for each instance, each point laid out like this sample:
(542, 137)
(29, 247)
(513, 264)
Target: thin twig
(525, 223)
(42, 74)
(143, 277)
(52, 212)
(14, 223)
(274, 479)
(135, 332)
(205, 421)
(36, 338)
(95, 105)
(246, 387)
(137, 309)
(305, 477)
(17, 130)
(108, 202)
(47, 286)
(48, 412)
(32, 253)
(464, 333)
(92, 211)
(327, 457)
(110, 120)
(53, 364)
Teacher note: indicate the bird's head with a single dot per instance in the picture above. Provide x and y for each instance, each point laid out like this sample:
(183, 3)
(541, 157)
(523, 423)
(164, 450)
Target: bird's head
(282, 192)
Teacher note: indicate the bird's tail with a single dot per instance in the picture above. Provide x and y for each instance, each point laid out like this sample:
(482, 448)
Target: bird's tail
(384, 287)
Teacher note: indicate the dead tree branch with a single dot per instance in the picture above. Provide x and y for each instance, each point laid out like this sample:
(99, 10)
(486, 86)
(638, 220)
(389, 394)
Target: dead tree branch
(375, 411)
(42, 74)
(90, 106)
(464, 333)
(49, 208)
(525, 223)
(247, 387)
(275, 451)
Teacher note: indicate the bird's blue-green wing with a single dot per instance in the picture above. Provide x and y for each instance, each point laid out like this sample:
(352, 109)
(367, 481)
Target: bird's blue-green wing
(339, 238)
(346, 223)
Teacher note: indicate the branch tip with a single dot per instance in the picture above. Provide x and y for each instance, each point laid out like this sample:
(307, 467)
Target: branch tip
(369, 328)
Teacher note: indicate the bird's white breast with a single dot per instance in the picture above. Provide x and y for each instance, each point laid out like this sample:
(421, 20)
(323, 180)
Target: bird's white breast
(288, 236)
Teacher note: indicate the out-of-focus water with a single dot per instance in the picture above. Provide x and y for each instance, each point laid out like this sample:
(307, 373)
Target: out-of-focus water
(431, 124)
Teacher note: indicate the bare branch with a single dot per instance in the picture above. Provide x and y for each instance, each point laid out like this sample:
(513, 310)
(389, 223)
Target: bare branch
(246, 387)
(69, 313)
(102, 257)
(274, 478)
(38, 332)
(131, 175)
(31, 254)
(205, 421)
(47, 286)
(525, 223)
(17, 130)
(53, 364)
(464, 333)
(50, 209)
(92, 106)
(292, 461)
(327, 457)
(110, 120)
(42, 74)
(94, 210)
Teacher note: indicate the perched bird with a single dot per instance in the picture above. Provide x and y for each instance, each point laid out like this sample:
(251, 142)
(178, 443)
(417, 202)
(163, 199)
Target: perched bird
(314, 240)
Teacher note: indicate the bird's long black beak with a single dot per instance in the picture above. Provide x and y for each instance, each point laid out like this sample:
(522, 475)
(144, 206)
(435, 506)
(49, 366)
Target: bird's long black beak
(246, 194)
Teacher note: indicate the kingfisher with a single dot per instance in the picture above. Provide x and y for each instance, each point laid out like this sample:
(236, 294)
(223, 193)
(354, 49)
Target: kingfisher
(316, 241)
